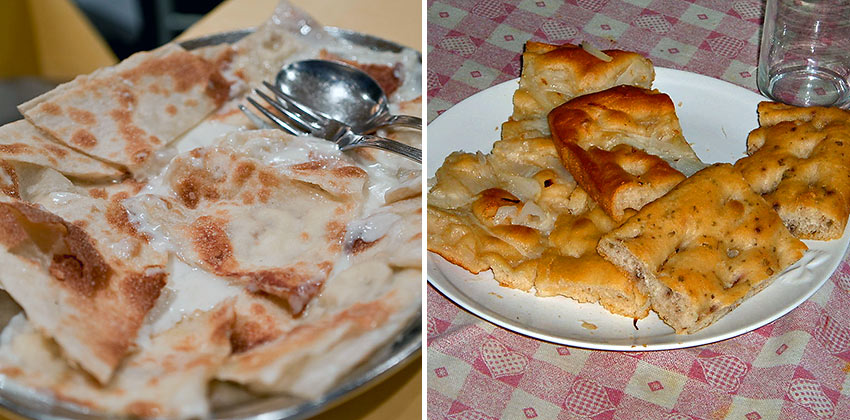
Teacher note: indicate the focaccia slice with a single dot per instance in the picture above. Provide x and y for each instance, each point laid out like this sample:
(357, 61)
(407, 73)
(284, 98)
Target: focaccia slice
(622, 145)
(642, 118)
(168, 379)
(123, 114)
(554, 74)
(21, 142)
(799, 161)
(703, 248)
(621, 178)
(227, 212)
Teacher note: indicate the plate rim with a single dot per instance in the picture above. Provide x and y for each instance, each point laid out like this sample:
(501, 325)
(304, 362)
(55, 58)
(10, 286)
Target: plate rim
(490, 316)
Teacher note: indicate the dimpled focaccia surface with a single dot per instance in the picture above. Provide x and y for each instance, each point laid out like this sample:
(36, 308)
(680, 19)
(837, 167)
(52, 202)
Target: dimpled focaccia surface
(799, 161)
(703, 248)
(518, 212)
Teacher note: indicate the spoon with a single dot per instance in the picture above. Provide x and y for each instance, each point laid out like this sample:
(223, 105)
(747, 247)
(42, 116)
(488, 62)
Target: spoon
(342, 92)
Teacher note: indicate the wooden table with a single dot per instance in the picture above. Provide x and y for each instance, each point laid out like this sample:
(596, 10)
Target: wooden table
(400, 396)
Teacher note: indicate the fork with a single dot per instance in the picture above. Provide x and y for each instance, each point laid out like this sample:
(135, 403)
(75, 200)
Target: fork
(301, 121)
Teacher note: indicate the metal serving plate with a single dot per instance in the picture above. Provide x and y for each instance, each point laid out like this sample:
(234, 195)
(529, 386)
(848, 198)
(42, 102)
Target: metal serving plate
(231, 402)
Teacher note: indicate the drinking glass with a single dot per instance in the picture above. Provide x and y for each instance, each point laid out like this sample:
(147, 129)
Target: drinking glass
(804, 58)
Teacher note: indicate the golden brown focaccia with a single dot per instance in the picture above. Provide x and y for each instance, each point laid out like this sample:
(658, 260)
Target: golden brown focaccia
(517, 212)
(703, 248)
(620, 143)
(799, 161)
(620, 179)
(554, 74)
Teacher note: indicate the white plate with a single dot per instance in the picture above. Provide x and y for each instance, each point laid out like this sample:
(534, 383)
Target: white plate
(716, 117)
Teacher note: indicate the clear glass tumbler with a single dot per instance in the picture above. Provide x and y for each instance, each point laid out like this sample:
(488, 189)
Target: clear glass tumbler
(804, 58)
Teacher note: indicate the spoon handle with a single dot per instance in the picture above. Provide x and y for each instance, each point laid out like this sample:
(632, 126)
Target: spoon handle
(404, 121)
(349, 140)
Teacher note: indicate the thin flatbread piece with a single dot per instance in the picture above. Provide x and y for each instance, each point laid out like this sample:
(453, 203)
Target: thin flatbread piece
(123, 114)
(81, 273)
(168, 379)
(20, 141)
(228, 213)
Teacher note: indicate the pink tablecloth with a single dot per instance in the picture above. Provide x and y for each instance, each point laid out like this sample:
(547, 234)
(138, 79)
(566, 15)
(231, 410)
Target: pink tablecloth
(794, 368)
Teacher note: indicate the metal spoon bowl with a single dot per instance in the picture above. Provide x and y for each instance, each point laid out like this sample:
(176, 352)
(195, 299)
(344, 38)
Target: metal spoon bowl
(342, 92)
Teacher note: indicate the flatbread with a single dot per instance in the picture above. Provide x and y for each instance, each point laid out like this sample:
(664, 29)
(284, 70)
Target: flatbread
(20, 141)
(123, 114)
(226, 212)
(343, 328)
(166, 380)
(80, 271)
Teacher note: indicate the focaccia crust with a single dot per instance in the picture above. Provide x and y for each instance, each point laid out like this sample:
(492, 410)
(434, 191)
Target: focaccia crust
(799, 161)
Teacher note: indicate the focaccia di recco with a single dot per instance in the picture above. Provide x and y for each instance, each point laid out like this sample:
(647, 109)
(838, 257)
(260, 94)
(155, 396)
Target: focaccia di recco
(154, 241)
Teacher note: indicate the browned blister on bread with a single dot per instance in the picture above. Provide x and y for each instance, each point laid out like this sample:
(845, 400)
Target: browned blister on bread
(799, 161)
(703, 248)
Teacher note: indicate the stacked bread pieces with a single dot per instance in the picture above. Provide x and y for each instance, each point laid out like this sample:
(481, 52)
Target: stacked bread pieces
(694, 248)
(517, 211)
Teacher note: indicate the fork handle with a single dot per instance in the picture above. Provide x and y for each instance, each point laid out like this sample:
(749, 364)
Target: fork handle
(384, 143)
(404, 121)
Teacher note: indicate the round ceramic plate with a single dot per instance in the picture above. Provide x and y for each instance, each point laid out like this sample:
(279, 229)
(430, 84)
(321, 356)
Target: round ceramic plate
(716, 117)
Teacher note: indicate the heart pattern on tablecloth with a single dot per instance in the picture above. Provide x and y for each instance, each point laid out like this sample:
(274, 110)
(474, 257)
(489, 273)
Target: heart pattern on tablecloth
(724, 372)
(500, 360)
(834, 338)
(678, 416)
(587, 398)
(810, 395)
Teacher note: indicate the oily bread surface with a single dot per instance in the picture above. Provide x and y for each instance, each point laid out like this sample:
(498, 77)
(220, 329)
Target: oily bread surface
(799, 161)
(703, 248)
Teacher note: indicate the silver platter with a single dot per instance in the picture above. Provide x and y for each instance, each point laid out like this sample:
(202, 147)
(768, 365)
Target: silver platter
(230, 402)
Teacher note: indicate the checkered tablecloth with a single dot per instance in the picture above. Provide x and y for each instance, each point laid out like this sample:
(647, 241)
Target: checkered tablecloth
(794, 368)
